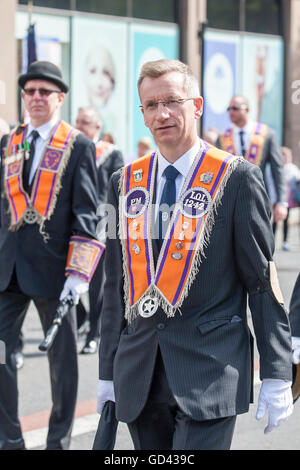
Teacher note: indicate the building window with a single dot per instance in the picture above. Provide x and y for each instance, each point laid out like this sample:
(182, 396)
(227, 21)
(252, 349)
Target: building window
(62, 4)
(106, 7)
(223, 15)
(263, 16)
(158, 10)
(255, 16)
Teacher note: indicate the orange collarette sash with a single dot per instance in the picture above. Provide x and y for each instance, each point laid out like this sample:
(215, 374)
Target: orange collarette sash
(103, 150)
(257, 142)
(189, 230)
(40, 204)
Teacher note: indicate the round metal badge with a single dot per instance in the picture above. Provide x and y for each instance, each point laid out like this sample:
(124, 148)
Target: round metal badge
(30, 216)
(148, 306)
(136, 202)
(195, 202)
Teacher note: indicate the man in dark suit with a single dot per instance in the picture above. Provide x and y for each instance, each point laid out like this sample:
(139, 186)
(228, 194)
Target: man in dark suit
(176, 351)
(48, 248)
(108, 160)
(258, 144)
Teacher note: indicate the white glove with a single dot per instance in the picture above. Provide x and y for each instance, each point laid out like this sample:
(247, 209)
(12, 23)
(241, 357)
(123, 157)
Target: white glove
(296, 349)
(74, 286)
(105, 392)
(275, 396)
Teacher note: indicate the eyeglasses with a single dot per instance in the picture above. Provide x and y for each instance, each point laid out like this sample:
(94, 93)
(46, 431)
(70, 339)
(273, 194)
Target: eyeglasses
(42, 91)
(236, 108)
(172, 105)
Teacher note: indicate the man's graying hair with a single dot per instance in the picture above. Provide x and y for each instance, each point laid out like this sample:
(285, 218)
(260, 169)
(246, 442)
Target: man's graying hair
(157, 68)
(95, 116)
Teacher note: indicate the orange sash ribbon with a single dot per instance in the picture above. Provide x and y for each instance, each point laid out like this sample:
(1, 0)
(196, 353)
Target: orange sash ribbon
(257, 141)
(103, 150)
(47, 179)
(187, 232)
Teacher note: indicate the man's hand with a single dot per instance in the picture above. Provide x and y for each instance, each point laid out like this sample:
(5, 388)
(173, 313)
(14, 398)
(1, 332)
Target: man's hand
(275, 396)
(105, 392)
(279, 212)
(296, 349)
(74, 286)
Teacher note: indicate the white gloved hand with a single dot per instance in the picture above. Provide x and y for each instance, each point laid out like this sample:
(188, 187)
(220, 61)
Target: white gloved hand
(74, 286)
(296, 349)
(275, 396)
(105, 392)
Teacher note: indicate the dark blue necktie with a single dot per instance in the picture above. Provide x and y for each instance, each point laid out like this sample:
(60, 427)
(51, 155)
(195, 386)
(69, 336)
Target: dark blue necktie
(168, 199)
(242, 143)
(27, 164)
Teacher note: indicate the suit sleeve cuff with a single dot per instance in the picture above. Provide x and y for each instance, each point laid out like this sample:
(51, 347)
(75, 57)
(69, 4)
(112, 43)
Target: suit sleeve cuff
(83, 257)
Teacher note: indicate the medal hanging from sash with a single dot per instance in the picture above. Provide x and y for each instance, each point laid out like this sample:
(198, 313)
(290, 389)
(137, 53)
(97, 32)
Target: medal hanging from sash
(257, 142)
(145, 286)
(39, 206)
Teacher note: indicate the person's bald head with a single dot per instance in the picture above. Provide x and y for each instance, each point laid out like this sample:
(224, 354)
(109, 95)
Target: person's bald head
(239, 110)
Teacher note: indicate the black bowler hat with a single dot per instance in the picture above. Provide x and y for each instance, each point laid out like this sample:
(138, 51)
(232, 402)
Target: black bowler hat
(44, 70)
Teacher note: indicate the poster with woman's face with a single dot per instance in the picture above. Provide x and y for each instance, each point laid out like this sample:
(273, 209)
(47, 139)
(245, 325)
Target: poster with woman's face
(99, 72)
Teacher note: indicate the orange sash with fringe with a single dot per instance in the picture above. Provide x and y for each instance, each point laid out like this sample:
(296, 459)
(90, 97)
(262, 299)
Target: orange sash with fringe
(188, 230)
(46, 185)
(257, 142)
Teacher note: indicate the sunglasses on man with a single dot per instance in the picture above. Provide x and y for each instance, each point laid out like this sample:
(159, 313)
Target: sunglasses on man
(42, 91)
(236, 108)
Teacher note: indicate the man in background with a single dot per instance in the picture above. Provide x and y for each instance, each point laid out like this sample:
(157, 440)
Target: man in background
(48, 246)
(257, 143)
(108, 160)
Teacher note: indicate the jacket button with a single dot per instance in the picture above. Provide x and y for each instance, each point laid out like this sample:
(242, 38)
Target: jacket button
(160, 326)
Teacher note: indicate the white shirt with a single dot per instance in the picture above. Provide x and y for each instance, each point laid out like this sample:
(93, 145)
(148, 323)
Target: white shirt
(182, 164)
(44, 131)
(248, 129)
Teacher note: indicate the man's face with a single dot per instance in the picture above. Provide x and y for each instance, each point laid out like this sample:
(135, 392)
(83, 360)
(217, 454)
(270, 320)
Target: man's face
(172, 124)
(84, 122)
(41, 107)
(238, 111)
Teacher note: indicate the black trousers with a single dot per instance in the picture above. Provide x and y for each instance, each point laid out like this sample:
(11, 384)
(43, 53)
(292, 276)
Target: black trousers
(95, 301)
(62, 361)
(163, 426)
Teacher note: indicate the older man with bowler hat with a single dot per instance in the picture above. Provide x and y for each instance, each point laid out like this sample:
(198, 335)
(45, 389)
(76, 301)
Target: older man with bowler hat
(48, 246)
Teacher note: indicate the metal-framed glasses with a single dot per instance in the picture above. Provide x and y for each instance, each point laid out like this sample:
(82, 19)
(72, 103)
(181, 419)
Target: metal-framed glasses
(42, 91)
(171, 104)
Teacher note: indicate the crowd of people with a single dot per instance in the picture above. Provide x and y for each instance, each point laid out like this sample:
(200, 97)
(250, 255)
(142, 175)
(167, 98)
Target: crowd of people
(168, 289)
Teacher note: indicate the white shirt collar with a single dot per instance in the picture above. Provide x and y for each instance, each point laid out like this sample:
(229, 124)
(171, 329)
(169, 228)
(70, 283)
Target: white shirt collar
(44, 130)
(182, 164)
(247, 128)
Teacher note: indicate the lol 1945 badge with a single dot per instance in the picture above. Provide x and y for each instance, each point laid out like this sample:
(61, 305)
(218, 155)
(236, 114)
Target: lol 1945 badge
(148, 306)
(195, 202)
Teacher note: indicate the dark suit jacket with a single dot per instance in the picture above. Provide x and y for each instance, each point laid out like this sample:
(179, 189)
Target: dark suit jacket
(206, 350)
(295, 309)
(111, 164)
(40, 266)
(272, 155)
